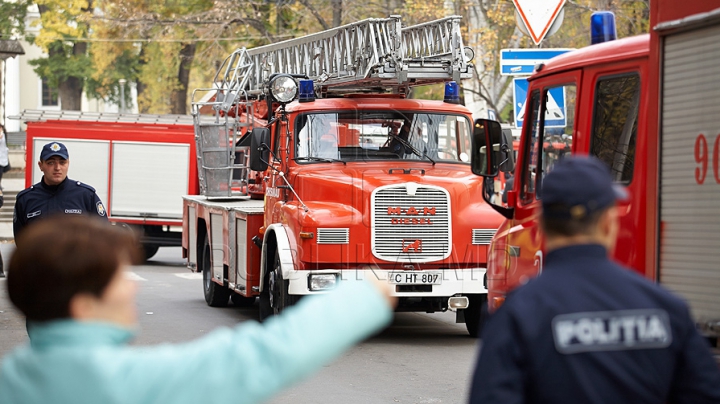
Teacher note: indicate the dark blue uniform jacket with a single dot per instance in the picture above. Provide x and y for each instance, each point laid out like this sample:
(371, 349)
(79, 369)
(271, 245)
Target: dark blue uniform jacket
(590, 331)
(42, 200)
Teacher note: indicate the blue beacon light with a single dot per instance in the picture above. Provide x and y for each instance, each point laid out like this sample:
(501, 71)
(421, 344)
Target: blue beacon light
(602, 27)
(452, 92)
(307, 91)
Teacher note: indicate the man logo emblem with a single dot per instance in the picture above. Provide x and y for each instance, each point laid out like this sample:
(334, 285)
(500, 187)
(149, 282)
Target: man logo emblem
(55, 147)
(100, 209)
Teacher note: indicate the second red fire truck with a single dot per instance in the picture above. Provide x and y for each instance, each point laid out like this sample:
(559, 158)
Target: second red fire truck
(647, 107)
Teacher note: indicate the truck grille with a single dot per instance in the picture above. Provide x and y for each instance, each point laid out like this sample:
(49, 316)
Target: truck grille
(411, 223)
(482, 236)
(333, 236)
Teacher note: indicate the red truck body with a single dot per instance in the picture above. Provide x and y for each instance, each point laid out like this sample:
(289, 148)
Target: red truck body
(140, 165)
(647, 107)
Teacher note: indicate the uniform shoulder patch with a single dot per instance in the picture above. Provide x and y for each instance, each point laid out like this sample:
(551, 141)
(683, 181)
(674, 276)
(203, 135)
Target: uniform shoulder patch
(100, 208)
(84, 185)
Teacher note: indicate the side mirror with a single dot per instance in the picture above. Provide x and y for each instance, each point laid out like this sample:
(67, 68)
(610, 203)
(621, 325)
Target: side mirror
(486, 160)
(259, 149)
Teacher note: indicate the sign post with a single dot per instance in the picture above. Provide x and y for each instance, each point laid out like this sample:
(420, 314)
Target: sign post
(538, 16)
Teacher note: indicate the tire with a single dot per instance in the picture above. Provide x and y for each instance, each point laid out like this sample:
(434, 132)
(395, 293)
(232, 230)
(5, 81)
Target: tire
(476, 314)
(150, 250)
(242, 301)
(215, 295)
(274, 298)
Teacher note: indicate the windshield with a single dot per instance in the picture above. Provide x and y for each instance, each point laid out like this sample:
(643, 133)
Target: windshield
(384, 135)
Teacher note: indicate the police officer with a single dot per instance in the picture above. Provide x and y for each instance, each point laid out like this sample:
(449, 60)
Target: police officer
(55, 193)
(588, 330)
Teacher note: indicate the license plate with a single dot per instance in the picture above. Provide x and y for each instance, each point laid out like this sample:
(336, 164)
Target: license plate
(415, 278)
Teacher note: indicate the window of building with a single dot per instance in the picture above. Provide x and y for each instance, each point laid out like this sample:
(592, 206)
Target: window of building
(49, 97)
(615, 123)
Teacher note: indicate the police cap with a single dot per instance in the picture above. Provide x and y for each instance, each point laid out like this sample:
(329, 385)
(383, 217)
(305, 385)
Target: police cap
(53, 149)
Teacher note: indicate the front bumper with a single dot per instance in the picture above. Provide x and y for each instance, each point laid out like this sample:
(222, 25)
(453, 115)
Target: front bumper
(453, 281)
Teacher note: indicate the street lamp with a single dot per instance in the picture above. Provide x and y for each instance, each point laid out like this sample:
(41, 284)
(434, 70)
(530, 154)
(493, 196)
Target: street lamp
(122, 95)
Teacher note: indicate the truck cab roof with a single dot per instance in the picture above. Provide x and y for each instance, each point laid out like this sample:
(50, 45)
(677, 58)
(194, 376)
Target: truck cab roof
(376, 103)
(607, 52)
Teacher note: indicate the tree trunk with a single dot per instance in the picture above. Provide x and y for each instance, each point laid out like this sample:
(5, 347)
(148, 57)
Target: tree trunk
(140, 85)
(178, 98)
(70, 90)
(337, 13)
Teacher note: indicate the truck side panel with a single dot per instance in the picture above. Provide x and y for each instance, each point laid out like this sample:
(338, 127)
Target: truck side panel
(139, 171)
(158, 172)
(689, 171)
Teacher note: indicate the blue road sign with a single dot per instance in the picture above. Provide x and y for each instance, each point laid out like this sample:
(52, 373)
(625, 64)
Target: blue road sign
(555, 115)
(520, 89)
(521, 62)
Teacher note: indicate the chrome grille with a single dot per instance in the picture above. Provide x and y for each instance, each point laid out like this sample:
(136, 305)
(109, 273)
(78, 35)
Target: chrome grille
(333, 236)
(411, 223)
(482, 236)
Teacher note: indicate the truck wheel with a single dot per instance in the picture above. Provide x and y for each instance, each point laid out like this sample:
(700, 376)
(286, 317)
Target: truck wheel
(215, 295)
(264, 308)
(275, 298)
(279, 297)
(476, 314)
(150, 250)
(242, 301)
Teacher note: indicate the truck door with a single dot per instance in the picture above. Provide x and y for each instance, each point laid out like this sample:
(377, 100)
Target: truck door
(613, 131)
(549, 137)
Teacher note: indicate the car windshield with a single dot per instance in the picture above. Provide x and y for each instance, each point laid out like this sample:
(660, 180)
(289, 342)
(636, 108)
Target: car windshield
(383, 135)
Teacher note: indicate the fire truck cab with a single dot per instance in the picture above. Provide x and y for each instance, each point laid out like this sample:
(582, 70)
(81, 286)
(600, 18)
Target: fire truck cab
(603, 116)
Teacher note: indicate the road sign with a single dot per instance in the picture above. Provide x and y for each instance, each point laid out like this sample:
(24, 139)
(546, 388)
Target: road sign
(520, 89)
(538, 16)
(555, 116)
(522, 62)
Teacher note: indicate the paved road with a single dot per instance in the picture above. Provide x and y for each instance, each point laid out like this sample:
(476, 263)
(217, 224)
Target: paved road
(420, 358)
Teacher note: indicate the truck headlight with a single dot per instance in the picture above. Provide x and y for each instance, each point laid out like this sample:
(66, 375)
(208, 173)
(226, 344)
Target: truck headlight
(322, 281)
(283, 89)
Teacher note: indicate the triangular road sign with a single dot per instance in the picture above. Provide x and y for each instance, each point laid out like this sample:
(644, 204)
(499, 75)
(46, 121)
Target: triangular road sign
(538, 16)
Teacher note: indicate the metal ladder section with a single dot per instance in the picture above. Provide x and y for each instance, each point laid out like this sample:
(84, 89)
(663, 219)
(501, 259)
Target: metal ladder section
(223, 163)
(375, 55)
(36, 115)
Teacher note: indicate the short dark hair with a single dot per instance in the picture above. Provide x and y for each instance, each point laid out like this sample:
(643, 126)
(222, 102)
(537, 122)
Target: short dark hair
(559, 226)
(62, 256)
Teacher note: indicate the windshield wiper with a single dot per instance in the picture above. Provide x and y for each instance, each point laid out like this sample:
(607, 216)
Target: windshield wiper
(323, 159)
(410, 146)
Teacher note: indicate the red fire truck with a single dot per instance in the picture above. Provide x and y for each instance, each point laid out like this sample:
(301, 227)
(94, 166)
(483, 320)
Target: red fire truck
(647, 107)
(315, 168)
(139, 164)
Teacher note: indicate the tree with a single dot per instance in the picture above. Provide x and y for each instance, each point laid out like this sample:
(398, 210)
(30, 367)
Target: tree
(63, 37)
(12, 18)
(169, 38)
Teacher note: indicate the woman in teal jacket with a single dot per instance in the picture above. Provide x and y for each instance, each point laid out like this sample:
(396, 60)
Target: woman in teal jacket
(68, 277)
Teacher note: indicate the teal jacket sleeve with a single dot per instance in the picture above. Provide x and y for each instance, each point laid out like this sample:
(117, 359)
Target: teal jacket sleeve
(251, 362)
